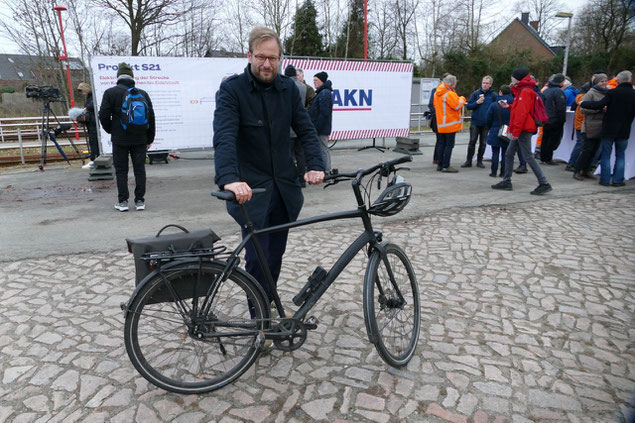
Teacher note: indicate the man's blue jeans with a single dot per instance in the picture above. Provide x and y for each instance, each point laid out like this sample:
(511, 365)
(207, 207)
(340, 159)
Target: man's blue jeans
(605, 161)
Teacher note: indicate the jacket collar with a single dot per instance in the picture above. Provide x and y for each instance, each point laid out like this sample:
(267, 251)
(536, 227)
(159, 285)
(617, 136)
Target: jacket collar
(253, 85)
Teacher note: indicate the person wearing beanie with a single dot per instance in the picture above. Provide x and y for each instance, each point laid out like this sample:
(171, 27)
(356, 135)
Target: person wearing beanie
(129, 140)
(591, 129)
(556, 105)
(321, 113)
(290, 71)
(90, 122)
(522, 126)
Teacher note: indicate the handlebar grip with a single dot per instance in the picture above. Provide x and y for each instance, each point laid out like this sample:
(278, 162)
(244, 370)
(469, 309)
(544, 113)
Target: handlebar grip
(229, 196)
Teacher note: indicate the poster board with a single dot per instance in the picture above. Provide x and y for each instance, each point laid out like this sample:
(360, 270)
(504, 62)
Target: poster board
(371, 99)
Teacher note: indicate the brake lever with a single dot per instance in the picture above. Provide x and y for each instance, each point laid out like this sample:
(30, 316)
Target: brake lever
(331, 182)
(402, 168)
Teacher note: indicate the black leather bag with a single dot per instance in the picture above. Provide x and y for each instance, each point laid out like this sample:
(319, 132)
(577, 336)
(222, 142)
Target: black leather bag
(181, 242)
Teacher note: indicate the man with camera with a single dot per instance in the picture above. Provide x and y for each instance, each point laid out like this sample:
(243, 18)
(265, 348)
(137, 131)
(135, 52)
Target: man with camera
(126, 113)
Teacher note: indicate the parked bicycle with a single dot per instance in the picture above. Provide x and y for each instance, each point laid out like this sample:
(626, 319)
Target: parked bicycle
(197, 321)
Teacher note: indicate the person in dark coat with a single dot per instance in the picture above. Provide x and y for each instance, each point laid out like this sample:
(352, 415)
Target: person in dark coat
(556, 105)
(254, 113)
(90, 121)
(496, 117)
(321, 113)
(479, 104)
(616, 126)
(127, 144)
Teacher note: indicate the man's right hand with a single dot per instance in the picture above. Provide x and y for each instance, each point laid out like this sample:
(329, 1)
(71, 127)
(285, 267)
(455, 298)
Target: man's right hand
(241, 190)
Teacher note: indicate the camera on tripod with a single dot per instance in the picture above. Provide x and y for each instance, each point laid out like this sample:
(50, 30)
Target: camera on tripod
(45, 92)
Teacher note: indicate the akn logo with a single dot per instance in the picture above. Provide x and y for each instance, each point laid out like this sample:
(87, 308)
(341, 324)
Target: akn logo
(356, 100)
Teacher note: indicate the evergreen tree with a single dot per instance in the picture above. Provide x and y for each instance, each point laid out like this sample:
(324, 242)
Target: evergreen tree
(350, 43)
(305, 37)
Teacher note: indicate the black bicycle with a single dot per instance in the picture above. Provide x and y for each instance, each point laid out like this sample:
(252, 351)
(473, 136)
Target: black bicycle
(198, 321)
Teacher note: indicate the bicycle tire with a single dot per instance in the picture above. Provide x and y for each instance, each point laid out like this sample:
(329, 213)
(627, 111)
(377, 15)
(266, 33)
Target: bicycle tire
(162, 345)
(393, 326)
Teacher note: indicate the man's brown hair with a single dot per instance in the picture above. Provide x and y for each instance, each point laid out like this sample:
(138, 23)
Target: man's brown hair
(260, 34)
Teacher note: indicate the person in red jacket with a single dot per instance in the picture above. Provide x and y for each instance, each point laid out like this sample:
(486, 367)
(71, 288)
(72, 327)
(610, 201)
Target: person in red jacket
(522, 126)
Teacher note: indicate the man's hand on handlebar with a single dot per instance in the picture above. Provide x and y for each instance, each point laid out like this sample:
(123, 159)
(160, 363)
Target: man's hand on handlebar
(241, 190)
(314, 177)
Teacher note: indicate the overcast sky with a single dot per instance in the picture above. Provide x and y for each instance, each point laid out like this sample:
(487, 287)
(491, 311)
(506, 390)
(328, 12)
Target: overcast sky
(7, 46)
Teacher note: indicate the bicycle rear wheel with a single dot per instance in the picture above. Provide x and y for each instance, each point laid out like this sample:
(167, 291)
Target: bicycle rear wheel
(175, 348)
(391, 310)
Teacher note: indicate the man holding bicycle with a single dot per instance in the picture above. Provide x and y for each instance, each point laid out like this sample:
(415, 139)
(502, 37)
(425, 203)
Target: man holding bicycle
(254, 112)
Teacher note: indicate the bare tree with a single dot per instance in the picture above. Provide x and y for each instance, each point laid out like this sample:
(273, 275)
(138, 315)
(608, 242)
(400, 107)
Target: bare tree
(139, 15)
(382, 37)
(276, 14)
(404, 12)
(239, 23)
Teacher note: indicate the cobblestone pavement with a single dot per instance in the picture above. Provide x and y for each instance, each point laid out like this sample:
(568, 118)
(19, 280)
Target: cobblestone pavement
(527, 315)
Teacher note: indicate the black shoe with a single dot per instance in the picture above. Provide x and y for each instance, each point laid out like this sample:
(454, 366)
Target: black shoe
(578, 176)
(604, 184)
(521, 169)
(439, 168)
(467, 164)
(493, 175)
(618, 184)
(550, 163)
(570, 168)
(480, 164)
(504, 185)
(541, 189)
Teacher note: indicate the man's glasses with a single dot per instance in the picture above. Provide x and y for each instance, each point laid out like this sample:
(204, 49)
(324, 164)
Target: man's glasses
(262, 59)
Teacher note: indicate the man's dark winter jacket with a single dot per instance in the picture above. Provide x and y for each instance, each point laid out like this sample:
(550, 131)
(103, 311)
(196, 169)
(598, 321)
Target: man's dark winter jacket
(110, 115)
(252, 143)
(620, 111)
(91, 122)
(479, 111)
(322, 109)
(555, 103)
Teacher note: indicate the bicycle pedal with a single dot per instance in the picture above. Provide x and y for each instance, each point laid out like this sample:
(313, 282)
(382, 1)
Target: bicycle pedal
(124, 306)
(311, 323)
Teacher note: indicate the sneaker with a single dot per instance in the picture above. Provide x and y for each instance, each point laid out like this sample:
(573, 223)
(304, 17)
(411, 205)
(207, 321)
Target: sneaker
(439, 168)
(588, 175)
(122, 206)
(89, 165)
(493, 175)
(449, 169)
(521, 169)
(618, 184)
(140, 205)
(578, 176)
(541, 189)
(604, 184)
(467, 164)
(504, 185)
(480, 164)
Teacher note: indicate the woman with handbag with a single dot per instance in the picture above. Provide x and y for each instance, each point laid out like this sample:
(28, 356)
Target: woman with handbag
(591, 129)
(498, 121)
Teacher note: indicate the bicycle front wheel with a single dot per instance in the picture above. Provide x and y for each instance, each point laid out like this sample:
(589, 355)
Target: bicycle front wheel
(391, 305)
(175, 347)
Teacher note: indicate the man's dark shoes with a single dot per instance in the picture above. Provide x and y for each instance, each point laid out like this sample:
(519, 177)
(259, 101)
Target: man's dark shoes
(604, 184)
(467, 164)
(449, 169)
(521, 169)
(493, 175)
(578, 176)
(439, 168)
(588, 175)
(570, 168)
(618, 184)
(551, 163)
(504, 185)
(480, 164)
(541, 189)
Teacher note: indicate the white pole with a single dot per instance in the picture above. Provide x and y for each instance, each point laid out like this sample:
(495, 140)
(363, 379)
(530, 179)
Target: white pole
(566, 50)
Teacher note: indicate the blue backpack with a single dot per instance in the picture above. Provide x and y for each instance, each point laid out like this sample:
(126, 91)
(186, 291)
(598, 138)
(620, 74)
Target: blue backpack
(134, 112)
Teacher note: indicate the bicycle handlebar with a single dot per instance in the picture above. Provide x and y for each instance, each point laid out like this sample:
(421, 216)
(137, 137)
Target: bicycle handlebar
(363, 172)
(229, 196)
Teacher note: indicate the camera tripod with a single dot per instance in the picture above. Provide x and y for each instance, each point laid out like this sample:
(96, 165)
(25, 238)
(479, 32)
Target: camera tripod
(47, 134)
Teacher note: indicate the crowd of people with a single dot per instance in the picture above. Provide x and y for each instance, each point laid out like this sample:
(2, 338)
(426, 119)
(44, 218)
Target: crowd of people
(508, 119)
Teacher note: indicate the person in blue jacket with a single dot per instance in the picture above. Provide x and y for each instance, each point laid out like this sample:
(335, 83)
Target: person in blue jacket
(479, 103)
(252, 148)
(570, 91)
(496, 117)
(321, 113)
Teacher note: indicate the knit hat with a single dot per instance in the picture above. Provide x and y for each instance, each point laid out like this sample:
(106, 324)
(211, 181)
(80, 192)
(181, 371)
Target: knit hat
(558, 78)
(322, 76)
(599, 77)
(124, 69)
(520, 73)
(83, 86)
(290, 71)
